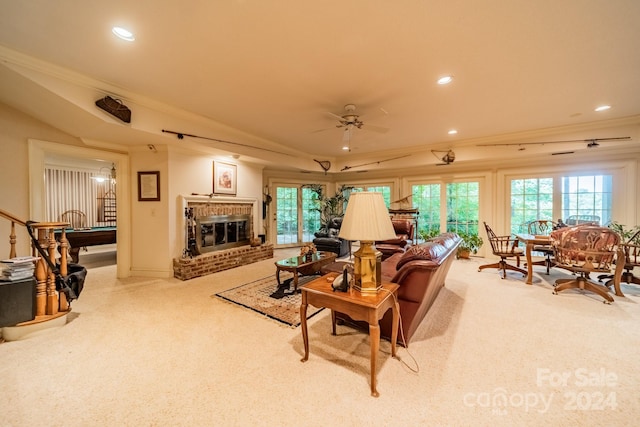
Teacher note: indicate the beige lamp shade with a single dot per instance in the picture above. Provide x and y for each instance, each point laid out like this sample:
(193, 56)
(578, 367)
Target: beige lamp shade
(366, 218)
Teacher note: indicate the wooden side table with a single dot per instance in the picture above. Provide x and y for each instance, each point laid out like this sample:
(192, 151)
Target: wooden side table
(369, 308)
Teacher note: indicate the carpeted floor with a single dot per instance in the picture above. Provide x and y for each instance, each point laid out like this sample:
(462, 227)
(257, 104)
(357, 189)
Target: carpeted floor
(264, 296)
(490, 352)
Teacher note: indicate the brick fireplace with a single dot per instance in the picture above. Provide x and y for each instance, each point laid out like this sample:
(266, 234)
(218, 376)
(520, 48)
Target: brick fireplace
(237, 215)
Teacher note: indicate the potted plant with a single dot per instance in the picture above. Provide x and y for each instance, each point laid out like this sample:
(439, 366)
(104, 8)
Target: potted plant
(470, 244)
(329, 207)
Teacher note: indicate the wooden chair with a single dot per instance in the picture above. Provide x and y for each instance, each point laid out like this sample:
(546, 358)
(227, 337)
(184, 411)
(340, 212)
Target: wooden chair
(543, 227)
(583, 250)
(75, 217)
(505, 247)
(631, 250)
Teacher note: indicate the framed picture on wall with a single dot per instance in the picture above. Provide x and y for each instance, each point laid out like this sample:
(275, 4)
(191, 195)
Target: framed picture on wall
(225, 178)
(149, 186)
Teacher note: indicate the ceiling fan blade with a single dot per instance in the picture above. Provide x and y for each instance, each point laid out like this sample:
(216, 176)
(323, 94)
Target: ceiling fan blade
(335, 116)
(321, 130)
(374, 128)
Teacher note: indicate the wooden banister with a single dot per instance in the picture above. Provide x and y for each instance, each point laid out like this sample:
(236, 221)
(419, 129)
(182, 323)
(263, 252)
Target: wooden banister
(49, 302)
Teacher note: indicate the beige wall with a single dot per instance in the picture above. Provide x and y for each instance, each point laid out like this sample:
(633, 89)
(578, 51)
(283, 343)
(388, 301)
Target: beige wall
(150, 234)
(16, 129)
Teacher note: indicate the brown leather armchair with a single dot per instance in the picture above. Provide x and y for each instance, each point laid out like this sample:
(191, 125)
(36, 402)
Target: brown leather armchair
(404, 229)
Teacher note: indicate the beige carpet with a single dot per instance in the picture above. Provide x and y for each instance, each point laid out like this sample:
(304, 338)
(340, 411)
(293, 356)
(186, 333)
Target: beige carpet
(491, 352)
(264, 296)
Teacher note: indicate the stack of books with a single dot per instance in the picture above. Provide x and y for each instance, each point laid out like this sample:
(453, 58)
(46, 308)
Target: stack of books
(18, 268)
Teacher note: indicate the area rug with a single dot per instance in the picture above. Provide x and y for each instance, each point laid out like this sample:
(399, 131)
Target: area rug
(265, 297)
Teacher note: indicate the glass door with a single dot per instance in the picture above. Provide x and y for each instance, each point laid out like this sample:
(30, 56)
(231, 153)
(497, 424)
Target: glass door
(286, 216)
(296, 217)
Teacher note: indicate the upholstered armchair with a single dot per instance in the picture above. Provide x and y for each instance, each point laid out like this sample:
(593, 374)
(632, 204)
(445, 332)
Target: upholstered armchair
(327, 240)
(631, 250)
(583, 250)
(404, 229)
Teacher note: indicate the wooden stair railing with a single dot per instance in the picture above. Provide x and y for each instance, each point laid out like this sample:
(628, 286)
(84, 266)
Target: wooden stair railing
(49, 302)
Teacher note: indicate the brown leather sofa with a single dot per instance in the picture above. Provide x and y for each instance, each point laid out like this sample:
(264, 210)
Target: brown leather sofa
(421, 272)
(404, 229)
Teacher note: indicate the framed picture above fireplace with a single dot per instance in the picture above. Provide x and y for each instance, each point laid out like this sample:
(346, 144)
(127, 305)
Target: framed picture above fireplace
(225, 178)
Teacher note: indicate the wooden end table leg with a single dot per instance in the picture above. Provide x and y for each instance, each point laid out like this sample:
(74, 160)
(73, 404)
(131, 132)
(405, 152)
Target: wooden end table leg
(374, 336)
(303, 324)
(278, 276)
(395, 311)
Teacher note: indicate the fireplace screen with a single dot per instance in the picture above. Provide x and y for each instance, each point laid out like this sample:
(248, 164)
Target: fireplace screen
(221, 232)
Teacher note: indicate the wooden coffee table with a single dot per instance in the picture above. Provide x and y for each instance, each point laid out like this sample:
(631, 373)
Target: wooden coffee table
(358, 306)
(301, 266)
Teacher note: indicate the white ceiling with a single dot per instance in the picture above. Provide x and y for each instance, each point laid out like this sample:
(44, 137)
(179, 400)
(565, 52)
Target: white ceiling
(267, 74)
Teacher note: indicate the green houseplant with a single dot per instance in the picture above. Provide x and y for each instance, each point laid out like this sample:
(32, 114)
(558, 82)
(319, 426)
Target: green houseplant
(470, 244)
(329, 207)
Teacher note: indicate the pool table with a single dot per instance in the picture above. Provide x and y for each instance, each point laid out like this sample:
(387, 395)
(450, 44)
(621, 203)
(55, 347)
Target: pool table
(94, 236)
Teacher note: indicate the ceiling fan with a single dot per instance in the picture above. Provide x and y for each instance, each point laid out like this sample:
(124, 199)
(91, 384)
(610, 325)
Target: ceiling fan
(351, 121)
(448, 157)
(591, 143)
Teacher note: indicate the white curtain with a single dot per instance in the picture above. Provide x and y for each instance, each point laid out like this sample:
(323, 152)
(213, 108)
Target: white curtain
(76, 190)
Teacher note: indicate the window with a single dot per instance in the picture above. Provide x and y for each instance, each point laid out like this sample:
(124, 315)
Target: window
(426, 198)
(578, 198)
(531, 199)
(463, 203)
(384, 189)
(587, 196)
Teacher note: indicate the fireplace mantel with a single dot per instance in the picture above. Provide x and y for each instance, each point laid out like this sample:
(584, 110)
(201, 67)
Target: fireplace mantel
(186, 201)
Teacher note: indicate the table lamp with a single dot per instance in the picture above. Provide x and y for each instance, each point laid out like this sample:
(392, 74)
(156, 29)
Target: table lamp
(367, 220)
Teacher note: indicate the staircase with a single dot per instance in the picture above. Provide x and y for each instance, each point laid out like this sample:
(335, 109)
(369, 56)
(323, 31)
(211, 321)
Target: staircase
(51, 307)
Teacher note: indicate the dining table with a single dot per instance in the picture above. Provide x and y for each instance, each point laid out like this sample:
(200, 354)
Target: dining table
(532, 240)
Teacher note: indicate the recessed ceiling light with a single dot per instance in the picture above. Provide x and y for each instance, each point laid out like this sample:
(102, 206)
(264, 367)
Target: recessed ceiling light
(345, 148)
(452, 132)
(445, 80)
(603, 107)
(123, 33)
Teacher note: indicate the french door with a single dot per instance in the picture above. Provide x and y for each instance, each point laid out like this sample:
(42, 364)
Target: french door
(294, 219)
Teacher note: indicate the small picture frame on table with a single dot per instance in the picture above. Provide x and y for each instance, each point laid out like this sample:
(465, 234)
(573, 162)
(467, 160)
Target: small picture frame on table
(149, 186)
(225, 178)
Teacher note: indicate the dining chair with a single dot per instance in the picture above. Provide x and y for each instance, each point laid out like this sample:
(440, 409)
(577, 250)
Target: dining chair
(504, 247)
(543, 227)
(584, 250)
(631, 250)
(75, 217)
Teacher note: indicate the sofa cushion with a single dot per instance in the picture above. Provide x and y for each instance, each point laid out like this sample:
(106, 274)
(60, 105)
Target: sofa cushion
(429, 251)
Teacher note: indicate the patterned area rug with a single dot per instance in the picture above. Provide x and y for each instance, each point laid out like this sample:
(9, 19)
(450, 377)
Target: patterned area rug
(265, 297)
